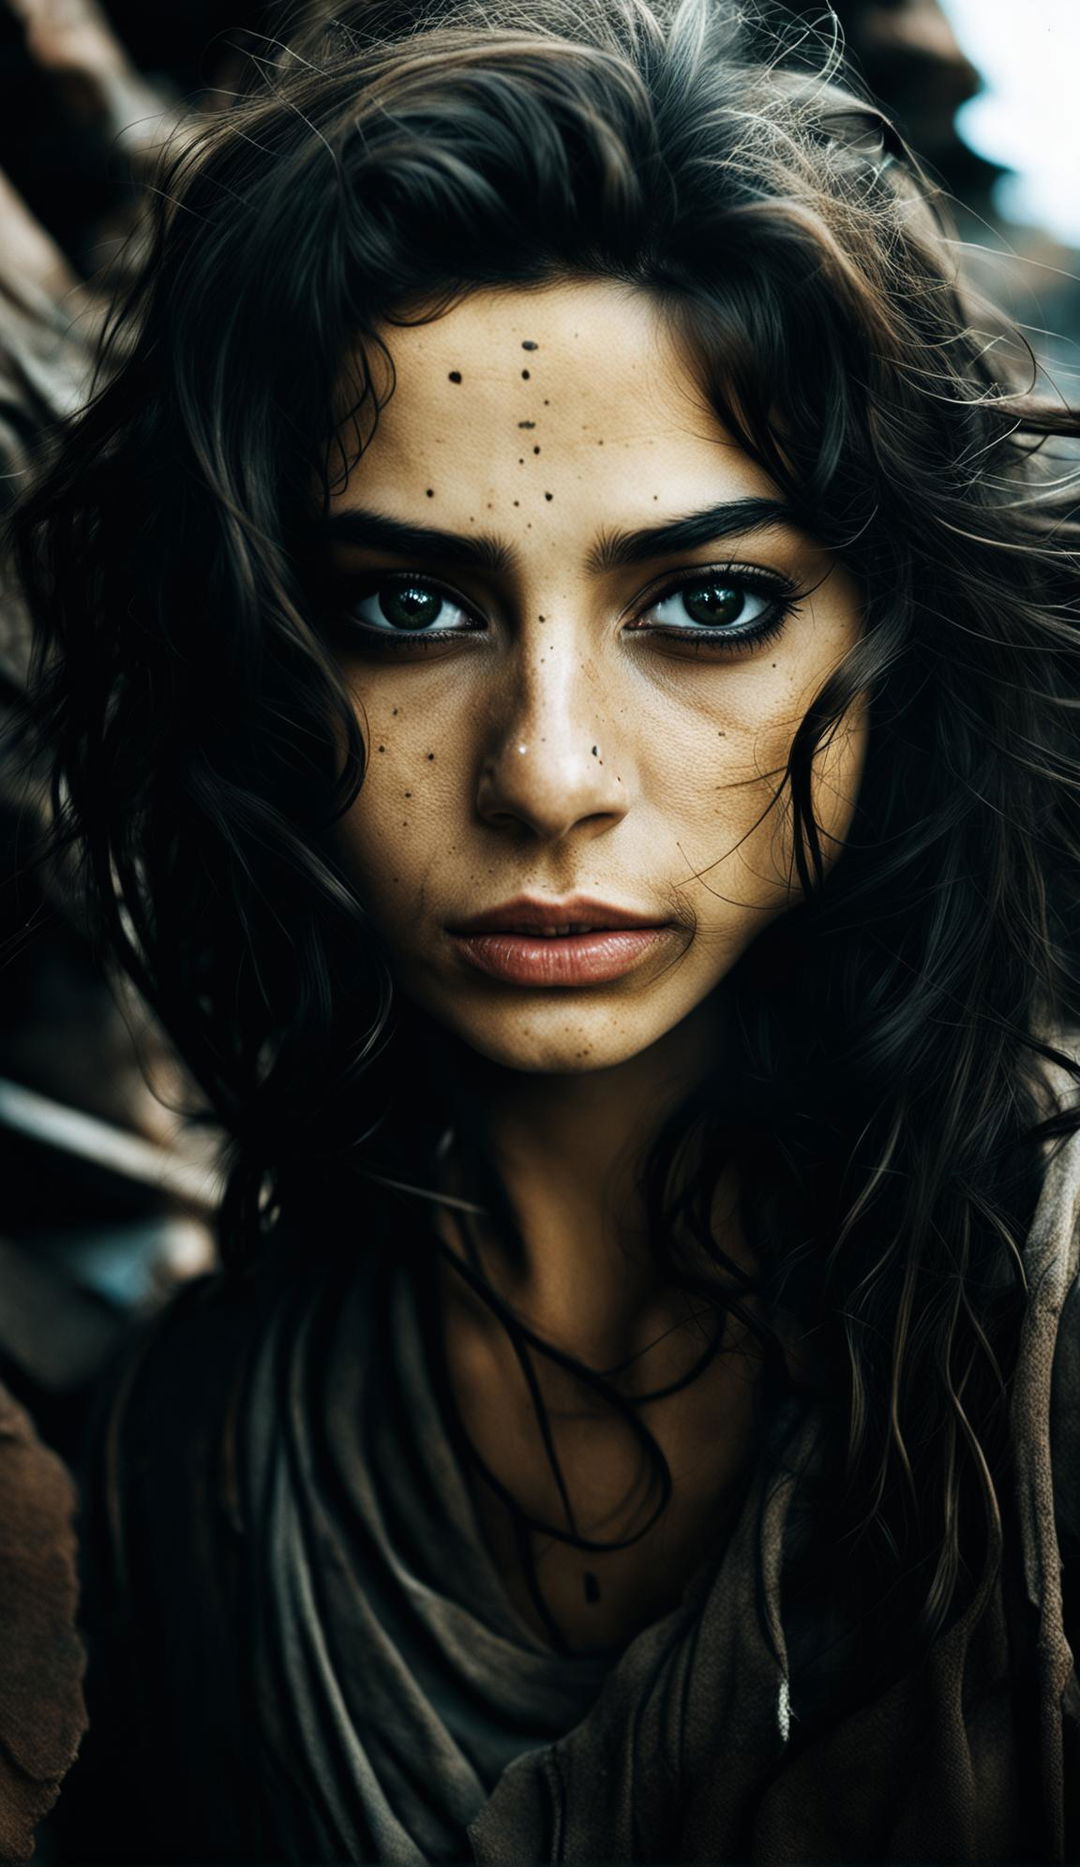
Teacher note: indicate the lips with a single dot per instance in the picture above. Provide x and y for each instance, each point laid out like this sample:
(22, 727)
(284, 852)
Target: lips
(577, 915)
(578, 942)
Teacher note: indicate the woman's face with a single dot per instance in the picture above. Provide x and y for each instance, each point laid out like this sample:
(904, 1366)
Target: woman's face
(580, 634)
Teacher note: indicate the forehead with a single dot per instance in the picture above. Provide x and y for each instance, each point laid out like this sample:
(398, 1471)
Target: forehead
(548, 405)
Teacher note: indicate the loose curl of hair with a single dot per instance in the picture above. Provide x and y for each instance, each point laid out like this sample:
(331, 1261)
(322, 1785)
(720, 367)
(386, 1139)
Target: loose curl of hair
(885, 1104)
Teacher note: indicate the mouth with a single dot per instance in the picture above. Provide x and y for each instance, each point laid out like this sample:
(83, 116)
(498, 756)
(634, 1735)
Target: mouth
(570, 943)
(578, 914)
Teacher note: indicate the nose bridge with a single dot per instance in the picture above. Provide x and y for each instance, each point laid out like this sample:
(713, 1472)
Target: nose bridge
(557, 688)
(547, 759)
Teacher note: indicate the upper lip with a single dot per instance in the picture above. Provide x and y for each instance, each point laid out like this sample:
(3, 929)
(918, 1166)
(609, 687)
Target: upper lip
(525, 914)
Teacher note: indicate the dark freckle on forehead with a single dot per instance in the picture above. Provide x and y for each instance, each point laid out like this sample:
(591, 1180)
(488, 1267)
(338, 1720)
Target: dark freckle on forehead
(431, 755)
(524, 375)
(394, 711)
(549, 495)
(547, 404)
(455, 375)
(529, 344)
(431, 492)
(517, 502)
(536, 450)
(526, 424)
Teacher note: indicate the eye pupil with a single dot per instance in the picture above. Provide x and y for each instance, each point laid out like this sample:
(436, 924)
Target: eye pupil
(714, 603)
(409, 607)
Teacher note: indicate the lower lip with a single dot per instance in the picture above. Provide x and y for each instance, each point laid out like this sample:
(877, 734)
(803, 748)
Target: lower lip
(564, 959)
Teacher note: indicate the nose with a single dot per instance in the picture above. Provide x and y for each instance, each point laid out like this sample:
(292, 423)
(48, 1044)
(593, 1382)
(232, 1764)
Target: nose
(549, 765)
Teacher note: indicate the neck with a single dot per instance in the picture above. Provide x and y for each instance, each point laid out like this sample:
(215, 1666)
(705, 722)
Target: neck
(569, 1150)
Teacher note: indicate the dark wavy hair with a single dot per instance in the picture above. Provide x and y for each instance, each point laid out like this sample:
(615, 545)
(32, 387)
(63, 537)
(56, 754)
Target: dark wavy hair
(889, 1113)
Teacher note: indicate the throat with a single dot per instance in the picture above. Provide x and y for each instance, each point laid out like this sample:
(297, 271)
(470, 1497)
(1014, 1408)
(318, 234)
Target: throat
(598, 1516)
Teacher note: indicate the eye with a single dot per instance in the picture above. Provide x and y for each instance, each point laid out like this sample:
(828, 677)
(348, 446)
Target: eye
(411, 607)
(722, 606)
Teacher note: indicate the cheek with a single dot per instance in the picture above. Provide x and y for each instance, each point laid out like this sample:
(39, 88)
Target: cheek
(404, 810)
(838, 769)
(720, 787)
(836, 775)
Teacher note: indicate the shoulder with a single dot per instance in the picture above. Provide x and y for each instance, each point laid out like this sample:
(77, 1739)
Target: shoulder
(174, 1372)
(161, 1551)
(1052, 1267)
(160, 1477)
(1065, 1403)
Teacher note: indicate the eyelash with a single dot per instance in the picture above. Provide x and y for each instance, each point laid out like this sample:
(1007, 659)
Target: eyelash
(728, 640)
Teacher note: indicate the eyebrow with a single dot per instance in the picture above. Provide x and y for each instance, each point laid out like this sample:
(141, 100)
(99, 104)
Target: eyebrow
(613, 550)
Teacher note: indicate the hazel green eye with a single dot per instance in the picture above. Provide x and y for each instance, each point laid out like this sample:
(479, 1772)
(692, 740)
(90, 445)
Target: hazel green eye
(714, 603)
(409, 609)
(717, 604)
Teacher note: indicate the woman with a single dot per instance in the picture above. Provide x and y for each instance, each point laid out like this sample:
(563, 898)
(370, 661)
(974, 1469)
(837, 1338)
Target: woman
(558, 643)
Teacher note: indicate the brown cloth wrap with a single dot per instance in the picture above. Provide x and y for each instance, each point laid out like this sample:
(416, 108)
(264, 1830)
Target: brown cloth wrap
(310, 1656)
(42, 1716)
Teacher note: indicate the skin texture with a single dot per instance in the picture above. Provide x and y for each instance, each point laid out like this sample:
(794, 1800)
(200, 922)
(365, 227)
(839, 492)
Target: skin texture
(558, 748)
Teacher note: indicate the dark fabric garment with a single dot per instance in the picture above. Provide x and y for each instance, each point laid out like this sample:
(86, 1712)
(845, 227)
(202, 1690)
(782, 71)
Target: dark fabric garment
(305, 1652)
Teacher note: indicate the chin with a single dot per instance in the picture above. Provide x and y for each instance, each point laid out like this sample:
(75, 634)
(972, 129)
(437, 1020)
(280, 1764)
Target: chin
(556, 1041)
